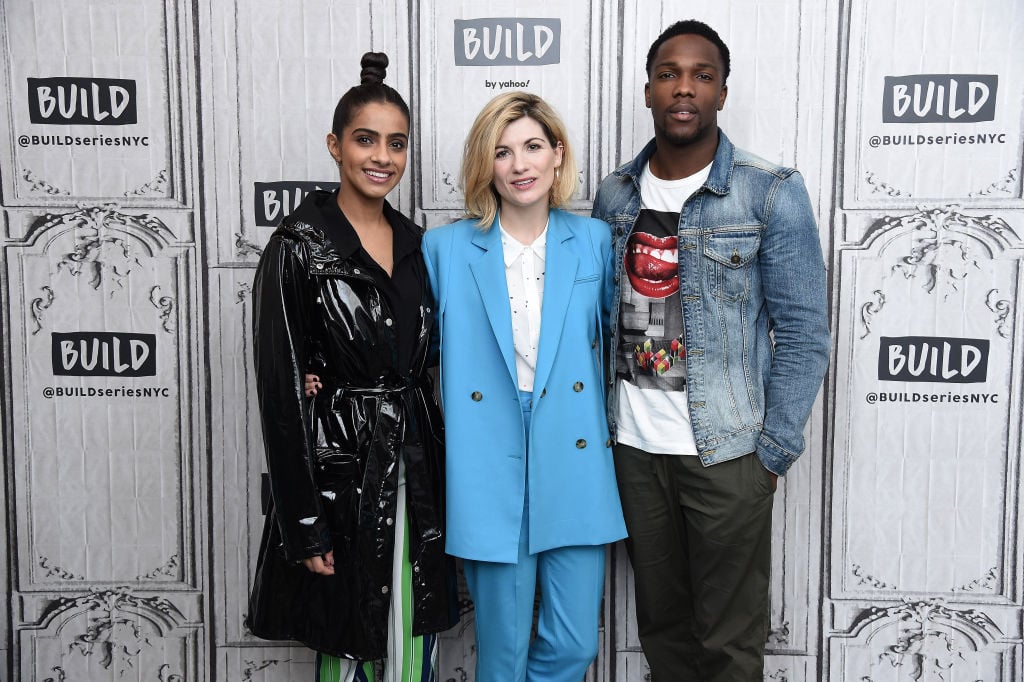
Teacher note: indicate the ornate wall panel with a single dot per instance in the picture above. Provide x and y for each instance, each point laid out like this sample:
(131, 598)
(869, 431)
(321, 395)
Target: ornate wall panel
(932, 115)
(236, 474)
(95, 105)
(266, 664)
(471, 52)
(285, 65)
(926, 640)
(104, 411)
(924, 572)
(926, 474)
(113, 633)
(928, 301)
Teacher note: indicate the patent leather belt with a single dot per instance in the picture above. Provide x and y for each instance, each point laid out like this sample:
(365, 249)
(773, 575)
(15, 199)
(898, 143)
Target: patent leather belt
(344, 390)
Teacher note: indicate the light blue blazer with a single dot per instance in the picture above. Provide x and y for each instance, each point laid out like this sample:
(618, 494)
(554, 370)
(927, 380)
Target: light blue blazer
(570, 476)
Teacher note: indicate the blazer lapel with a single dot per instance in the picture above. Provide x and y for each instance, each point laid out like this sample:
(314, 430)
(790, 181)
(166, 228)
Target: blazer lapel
(489, 272)
(560, 265)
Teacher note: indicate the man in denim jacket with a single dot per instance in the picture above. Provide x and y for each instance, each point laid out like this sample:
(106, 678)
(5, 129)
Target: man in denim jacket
(719, 344)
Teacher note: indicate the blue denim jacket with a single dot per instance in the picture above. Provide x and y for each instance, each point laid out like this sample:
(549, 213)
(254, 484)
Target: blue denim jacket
(753, 293)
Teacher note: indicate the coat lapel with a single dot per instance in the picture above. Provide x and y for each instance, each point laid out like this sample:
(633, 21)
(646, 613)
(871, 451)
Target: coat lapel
(560, 265)
(489, 272)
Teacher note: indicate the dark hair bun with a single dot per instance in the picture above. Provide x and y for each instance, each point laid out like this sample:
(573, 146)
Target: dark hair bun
(375, 65)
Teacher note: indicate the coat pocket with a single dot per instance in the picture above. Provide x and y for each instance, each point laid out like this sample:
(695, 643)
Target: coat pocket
(729, 259)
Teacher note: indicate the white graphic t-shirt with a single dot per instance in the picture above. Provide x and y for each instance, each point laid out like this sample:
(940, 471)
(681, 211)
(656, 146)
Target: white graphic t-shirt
(652, 410)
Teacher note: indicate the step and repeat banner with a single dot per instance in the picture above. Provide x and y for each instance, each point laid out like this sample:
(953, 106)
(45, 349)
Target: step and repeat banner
(152, 145)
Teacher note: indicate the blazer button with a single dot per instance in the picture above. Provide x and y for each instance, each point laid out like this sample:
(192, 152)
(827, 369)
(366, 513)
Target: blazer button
(477, 396)
(581, 443)
(578, 386)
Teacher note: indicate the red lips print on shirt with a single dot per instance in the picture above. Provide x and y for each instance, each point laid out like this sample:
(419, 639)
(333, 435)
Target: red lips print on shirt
(652, 264)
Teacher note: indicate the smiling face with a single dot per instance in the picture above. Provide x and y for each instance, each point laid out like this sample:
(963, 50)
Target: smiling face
(372, 150)
(524, 164)
(686, 91)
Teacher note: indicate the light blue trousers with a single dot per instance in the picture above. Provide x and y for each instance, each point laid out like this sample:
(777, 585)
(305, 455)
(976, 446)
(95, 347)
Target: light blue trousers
(571, 582)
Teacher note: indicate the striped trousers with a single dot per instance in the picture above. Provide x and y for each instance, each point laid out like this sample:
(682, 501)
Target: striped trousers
(409, 659)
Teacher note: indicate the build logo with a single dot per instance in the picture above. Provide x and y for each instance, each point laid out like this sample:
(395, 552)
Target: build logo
(82, 101)
(932, 359)
(939, 98)
(103, 354)
(274, 200)
(517, 41)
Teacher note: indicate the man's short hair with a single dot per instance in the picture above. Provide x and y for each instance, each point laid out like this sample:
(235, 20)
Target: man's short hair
(690, 27)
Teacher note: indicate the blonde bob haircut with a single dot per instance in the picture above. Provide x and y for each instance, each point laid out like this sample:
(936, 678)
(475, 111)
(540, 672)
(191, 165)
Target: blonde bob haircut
(477, 176)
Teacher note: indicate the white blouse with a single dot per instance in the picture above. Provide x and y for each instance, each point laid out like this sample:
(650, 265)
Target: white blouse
(524, 274)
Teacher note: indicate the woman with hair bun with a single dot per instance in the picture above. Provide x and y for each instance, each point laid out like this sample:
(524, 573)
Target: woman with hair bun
(522, 295)
(352, 561)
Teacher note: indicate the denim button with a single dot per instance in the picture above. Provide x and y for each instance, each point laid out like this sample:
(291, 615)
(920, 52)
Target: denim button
(578, 386)
(581, 443)
(477, 396)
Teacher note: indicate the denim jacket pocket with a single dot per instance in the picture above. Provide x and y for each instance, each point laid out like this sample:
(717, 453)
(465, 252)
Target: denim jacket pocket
(729, 257)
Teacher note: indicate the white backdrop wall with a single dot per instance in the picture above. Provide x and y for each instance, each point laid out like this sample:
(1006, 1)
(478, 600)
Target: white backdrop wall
(150, 145)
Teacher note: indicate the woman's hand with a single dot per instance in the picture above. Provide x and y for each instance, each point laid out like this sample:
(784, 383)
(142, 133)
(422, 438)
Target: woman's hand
(321, 565)
(312, 385)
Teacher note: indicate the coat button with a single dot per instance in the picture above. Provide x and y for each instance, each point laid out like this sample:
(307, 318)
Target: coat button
(388, 321)
(578, 386)
(355, 271)
(384, 590)
(390, 522)
(581, 443)
(477, 396)
(319, 266)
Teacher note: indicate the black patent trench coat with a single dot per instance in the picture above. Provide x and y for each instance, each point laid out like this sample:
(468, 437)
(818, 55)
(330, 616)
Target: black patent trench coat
(333, 460)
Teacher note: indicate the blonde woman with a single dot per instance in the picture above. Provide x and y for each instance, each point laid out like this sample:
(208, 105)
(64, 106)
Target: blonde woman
(521, 289)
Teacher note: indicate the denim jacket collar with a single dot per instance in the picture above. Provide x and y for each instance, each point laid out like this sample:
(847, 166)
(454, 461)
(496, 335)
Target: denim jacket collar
(721, 167)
